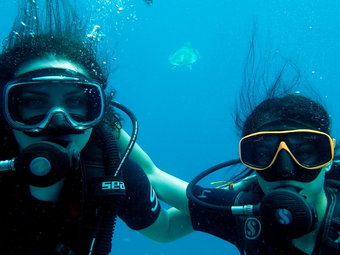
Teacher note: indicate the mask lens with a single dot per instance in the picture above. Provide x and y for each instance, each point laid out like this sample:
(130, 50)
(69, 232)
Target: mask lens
(32, 104)
(259, 150)
(87, 105)
(310, 149)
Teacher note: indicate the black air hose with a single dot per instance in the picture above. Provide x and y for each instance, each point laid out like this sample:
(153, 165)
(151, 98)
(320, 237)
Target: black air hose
(108, 211)
(101, 244)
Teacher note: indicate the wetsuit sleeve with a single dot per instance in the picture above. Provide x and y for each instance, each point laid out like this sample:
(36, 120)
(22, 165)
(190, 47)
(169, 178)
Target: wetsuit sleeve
(140, 207)
(213, 221)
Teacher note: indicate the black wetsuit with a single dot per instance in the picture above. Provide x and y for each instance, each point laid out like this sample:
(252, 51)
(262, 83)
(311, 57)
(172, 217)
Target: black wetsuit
(30, 226)
(245, 232)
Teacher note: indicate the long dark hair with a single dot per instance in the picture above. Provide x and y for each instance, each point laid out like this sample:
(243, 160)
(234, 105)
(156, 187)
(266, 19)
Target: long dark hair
(271, 91)
(56, 30)
(273, 88)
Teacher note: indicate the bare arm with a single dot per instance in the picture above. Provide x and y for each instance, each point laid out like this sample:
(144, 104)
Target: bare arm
(168, 188)
(171, 225)
(175, 222)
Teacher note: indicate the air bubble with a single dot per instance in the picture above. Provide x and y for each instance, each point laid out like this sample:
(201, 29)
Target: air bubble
(96, 34)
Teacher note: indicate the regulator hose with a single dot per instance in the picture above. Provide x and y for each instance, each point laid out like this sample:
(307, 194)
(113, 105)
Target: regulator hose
(101, 243)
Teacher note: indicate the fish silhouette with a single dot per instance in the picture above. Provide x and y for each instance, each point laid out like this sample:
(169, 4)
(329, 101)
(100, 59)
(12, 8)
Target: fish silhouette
(149, 2)
(184, 56)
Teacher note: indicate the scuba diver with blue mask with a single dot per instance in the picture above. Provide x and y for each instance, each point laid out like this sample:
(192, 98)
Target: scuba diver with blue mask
(64, 174)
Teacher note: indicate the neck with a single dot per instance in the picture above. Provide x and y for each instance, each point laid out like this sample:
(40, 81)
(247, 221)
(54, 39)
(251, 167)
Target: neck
(320, 203)
(307, 242)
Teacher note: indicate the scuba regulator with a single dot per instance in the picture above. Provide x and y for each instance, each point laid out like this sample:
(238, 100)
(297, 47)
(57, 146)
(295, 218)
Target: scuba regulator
(283, 209)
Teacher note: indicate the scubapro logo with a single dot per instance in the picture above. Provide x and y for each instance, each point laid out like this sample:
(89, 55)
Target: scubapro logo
(252, 228)
(284, 216)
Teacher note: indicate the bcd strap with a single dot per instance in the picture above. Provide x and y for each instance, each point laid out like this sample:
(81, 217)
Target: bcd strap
(107, 184)
(100, 160)
(331, 237)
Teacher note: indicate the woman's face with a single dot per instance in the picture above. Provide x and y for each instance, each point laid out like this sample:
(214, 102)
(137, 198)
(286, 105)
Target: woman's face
(38, 101)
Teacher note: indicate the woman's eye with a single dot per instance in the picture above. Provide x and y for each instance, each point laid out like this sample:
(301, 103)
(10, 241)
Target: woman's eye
(33, 102)
(305, 152)
(263, 154)
(75, 102)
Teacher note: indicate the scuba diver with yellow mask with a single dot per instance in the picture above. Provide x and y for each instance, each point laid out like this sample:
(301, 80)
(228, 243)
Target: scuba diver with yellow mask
(288, 206)
(286, 201)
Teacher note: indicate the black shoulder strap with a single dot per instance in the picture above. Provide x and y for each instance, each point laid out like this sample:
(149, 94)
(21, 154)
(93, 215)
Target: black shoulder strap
(330, 243)
(100, 158)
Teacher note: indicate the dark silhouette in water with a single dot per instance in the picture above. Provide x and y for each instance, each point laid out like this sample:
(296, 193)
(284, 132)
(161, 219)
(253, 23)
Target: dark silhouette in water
(149, 2)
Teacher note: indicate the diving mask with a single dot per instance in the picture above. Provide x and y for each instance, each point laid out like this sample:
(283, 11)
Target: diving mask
(310, 149)
(33, 99)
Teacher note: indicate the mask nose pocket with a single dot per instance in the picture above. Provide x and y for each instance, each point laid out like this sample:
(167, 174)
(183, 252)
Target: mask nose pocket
(284, 164)
(58, 120)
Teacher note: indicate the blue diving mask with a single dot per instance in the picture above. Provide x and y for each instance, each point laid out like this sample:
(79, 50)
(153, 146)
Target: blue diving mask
(32, 100)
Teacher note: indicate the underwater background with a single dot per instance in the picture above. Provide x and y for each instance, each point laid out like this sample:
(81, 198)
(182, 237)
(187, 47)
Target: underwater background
(185, 113)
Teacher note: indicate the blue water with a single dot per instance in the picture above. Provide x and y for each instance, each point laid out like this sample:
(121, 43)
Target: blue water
(185, 115)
